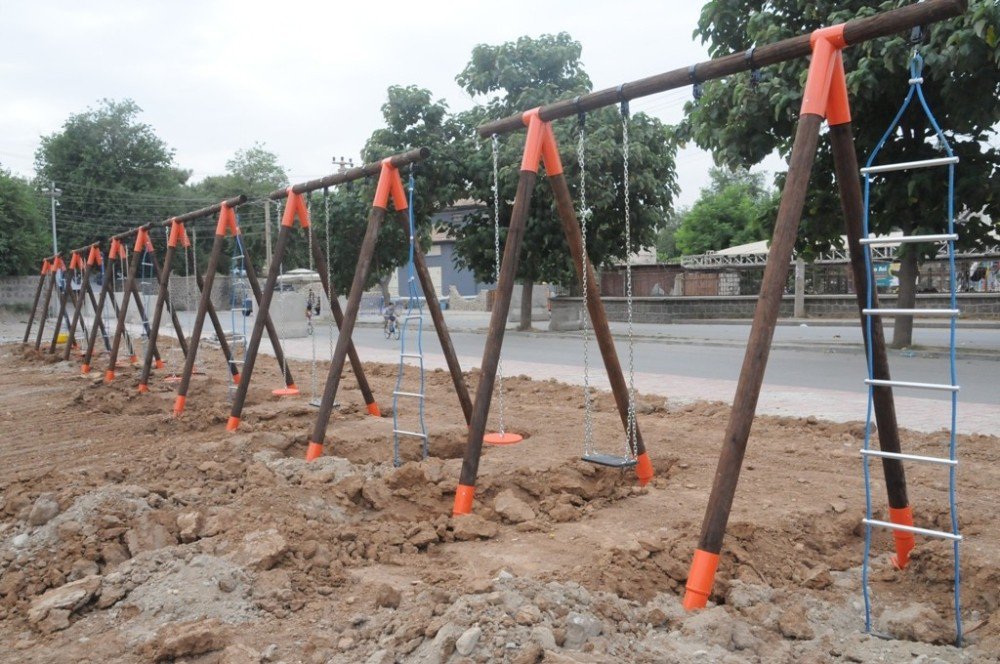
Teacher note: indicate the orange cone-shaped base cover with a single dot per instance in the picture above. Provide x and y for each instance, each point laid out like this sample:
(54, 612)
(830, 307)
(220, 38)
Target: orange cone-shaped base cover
(700, 579)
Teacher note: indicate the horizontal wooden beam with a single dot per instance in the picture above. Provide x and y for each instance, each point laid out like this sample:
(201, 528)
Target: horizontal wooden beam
(351, 174)
(855, 32)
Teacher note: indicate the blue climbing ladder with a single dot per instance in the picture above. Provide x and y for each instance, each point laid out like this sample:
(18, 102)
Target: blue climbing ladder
(239, 309)
(414, 315)
(947, 240)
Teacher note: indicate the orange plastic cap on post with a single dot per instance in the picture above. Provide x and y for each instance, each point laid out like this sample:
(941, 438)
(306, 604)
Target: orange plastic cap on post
(644, 469)
(45, 266)
(85, 368)
(533, 141)
(314, 451)
(550, 153)
(905, 541)
(463, 500)
(143, 388)
(236, 379)
(94, 258)
(227, 222)
(390, 185)
(160, 364)
(295, 208)
(142, 241)
(133, 359)
(179, 405)
(826, 45)
(178, 235)
(700, 579)
(109, 375)
(373, 410)
(233, 424)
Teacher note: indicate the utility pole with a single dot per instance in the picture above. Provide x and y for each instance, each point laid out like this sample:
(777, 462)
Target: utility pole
(53, 194)
(342, 164)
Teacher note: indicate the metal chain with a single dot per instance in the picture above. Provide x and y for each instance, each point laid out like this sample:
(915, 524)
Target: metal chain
(194, 263)
(630, 442)
(588, 405)
(309, 323)
(496, 254)
(329, 267)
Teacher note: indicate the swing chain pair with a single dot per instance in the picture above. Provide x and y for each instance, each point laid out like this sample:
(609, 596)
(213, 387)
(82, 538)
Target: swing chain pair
(496, 254)
(631, 440)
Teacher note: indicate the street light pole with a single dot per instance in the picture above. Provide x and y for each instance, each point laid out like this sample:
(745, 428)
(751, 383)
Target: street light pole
(53, 194)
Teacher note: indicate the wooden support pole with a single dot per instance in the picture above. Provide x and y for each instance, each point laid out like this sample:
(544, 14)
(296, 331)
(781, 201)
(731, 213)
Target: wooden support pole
(154, 330)
(845, 161)
(106, 287)
(80, 303)
(45, 309)
(220, 332)
(263, 307)
(367, 251)
(34, 303)
(64, 295)
(440, 326)
(129, 290)
(144, 321)
(748, 387)
(494, 341)
(178, 328)
(599, 319)
(272, 332)
(338, 317)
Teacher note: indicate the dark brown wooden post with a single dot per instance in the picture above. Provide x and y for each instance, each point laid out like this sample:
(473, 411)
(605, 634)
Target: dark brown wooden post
(440, 326)
(365, 254)
(38, 294)
(64, 296)
(272, 332)
(599, 320)
(106, 288)
(53, 269)
(175, 321)
(177, 235)
(86, 294)
(78, 303)
(226, 224)
(127, 293)
(338, 316)
(845, 161)
(220, 332)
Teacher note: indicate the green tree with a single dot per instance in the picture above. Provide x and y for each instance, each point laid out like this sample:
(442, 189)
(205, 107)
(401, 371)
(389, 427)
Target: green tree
(666, 236)
(114, 171)
(413, 118)
(256, 172)
(742, 123)
(727, 213)
(516, 76)
(24, 234)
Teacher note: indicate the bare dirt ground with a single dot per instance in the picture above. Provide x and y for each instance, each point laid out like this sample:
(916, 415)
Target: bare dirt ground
(128, 535)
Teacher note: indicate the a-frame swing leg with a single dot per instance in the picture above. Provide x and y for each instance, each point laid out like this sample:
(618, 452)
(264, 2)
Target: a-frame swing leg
(44, 311)
(34, 303)
(141, 310)
(845, 161)
(389, 185)
(64, 296)
(440, 326)
(338, 317)
(176, 235)
(816, 104)
(133, 268)
(174, 320)
(272, 332)
(80, 303)
(98, 314)
(599, 320)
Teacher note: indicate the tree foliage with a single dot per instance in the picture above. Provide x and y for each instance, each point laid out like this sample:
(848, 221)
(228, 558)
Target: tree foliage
(24, 234)
(114, 171)
(741, 123)
(515, 76)
(728, 212)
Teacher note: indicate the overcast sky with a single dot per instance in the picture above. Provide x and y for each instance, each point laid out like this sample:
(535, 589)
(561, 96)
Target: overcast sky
(305, 78)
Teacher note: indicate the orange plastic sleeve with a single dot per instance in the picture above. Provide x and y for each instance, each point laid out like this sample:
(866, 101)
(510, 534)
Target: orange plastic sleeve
(533, 141)
(838, 107)
(143, 388)
(644, 469)
(109, 375)
(160, 364)
(463, 499)
(45, 266)
(373, 410)
(233, 424)
(179, 404)
(314, 451)
(227, 221)
(141, 240)
(826, 45)
(385, 185)
(905, 542)
(85, 368)
(550, 153)
(700, 579)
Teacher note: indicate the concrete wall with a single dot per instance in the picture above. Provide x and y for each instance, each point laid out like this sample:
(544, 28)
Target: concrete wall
(566, 310)
(18, 290)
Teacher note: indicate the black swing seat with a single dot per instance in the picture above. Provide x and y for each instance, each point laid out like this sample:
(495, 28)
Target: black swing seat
(609, 460)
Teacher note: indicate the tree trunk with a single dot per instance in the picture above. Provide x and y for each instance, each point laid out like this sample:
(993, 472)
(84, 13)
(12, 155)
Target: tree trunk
(383, 284)
(526, 288)
(902, 332)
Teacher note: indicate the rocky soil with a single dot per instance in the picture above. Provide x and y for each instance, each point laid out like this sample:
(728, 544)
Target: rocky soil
(128, 535)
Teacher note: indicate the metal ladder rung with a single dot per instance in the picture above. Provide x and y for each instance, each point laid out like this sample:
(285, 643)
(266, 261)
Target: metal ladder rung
(905, 165)
(415, 395)
(411, 355)
(609, 460)
(912, 529)
(908, 239)
(947, 313)
(908, 457)
(412, 317)
(403, 432)
(919, 386)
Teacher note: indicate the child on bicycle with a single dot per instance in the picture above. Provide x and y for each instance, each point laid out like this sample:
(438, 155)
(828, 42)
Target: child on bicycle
(389, 316)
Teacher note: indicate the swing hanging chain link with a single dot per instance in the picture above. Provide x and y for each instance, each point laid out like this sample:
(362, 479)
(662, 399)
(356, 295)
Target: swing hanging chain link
(496, 254)
(588, 406)
(631, 440)
(309, 306)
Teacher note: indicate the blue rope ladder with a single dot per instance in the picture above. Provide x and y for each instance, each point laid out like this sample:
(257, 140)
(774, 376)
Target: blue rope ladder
(915, 90)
